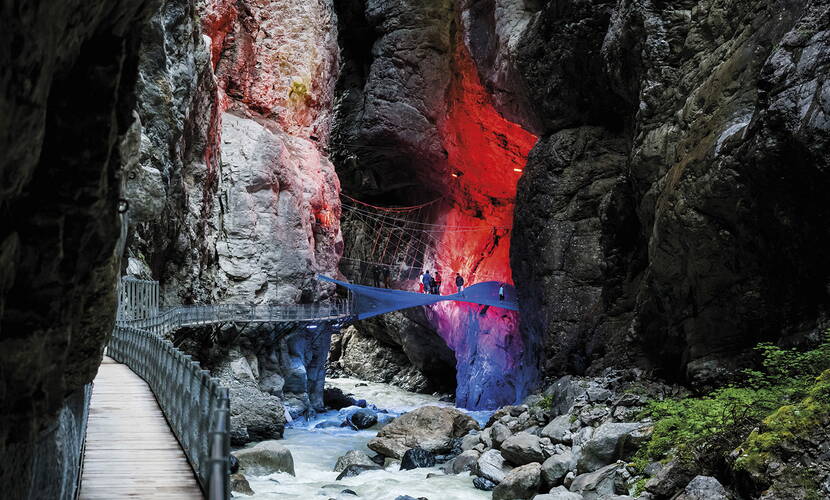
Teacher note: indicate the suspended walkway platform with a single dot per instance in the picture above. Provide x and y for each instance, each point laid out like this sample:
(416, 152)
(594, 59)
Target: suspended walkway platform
(370, 301)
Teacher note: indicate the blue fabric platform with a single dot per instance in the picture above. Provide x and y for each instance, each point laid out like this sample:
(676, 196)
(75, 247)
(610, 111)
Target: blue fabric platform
(370, 301)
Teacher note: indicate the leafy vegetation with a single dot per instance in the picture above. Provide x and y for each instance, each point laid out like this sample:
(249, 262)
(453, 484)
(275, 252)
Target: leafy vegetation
(706, 430)
(546, 403)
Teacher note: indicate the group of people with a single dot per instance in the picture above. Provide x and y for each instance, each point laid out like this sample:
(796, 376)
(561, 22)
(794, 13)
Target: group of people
(432, 284)
(379, 272)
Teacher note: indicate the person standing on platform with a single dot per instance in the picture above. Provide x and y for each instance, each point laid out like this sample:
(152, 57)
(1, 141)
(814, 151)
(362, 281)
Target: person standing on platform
(376, 276)
(386, 274)
(438, 283)
(501, 292)
(459, 283)
(426, 280)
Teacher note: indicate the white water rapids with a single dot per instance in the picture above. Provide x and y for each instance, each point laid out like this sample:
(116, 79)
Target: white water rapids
(315, 452)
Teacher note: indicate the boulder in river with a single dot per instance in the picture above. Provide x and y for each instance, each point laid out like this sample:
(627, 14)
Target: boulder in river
(240, 485)
(336, 399)
(484, 484)
(491, 466)
(415, 458)
(522, 482)
(356, 470)
(432, 428)
(351, 458)
(328, 424)
(265, 458)
(464, 462)
(362, 418)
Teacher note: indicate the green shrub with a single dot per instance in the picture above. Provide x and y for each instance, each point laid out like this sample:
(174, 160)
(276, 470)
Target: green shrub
(546, 403)
(705, 430)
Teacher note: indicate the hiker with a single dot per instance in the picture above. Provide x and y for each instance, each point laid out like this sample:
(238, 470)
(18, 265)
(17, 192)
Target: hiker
(376, 276)
(426, 279)
(501, 292)
(459, 283)
(432, 286)
(437, 283)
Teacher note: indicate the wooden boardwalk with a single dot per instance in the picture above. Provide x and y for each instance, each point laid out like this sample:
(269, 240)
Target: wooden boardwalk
(130, 450)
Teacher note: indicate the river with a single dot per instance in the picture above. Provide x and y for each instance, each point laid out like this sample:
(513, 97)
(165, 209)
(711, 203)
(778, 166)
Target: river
(315, 452)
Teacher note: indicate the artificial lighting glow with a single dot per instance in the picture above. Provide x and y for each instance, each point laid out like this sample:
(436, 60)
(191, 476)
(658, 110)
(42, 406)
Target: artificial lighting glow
(517, 170)
(311, 327)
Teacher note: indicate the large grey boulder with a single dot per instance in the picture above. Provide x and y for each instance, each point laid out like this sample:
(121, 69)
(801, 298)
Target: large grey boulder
(466, 461)
(559, 493)
(520, 483)
(704, 488)
(265, 458)
(670, 479)
(469, 441)
(353, 457)
(557, 466)
(491, 466)
(255, 416)
(611, 442)
(558, 430)
(597, 484)
(522, 448)
(499, 433)
(432, 428)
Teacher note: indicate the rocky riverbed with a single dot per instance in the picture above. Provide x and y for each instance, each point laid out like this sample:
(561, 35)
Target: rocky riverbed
(572, 441)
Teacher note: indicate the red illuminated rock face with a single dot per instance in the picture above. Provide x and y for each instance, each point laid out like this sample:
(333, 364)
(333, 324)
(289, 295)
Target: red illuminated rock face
(277, 58)
(485, 156)
(427, 129)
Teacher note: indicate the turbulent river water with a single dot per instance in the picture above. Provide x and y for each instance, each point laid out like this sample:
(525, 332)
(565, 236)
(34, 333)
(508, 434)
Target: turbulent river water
(315, 452)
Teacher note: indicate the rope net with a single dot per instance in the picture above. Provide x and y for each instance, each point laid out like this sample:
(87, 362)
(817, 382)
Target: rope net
(387, 244)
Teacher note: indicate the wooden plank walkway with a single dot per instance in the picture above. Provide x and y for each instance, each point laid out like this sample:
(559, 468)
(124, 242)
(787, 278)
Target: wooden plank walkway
(130, 450)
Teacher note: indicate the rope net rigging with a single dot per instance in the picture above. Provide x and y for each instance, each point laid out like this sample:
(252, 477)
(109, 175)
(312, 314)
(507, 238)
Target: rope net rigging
(394, 244)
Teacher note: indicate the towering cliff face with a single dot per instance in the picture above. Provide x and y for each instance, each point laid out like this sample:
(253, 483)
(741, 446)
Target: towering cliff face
(415, 122)
(234, 199)
(672, 213)
(66, 91)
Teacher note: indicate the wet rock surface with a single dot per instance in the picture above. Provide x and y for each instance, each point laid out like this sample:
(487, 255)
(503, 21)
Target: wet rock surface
(414, 458)
(353, 457)
(265, 458)
(430, 427)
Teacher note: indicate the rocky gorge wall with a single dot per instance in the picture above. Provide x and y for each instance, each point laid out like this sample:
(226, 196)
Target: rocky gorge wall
(66, 95)
(671, 216)
(414, 122)
(234, 199)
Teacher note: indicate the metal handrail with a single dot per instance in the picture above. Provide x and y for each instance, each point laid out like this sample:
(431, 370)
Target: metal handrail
(193, 402)
(177, 317)
(195, 405)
